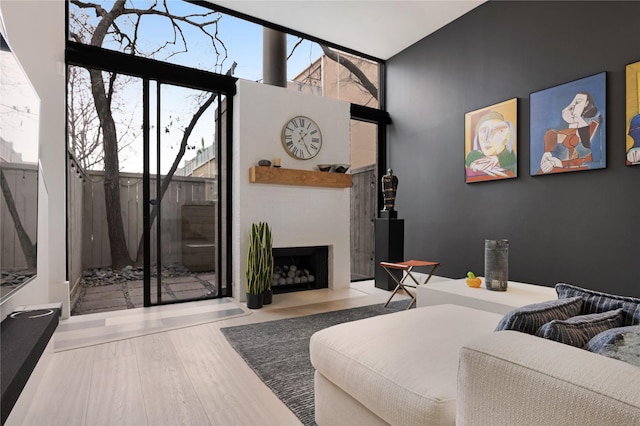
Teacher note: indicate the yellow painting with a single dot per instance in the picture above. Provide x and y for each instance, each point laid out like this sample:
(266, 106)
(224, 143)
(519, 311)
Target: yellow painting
(490, 140)
(633, 115)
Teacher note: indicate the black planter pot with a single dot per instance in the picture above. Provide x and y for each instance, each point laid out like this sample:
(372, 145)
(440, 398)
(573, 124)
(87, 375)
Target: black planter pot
(254, 301)
(267, 296)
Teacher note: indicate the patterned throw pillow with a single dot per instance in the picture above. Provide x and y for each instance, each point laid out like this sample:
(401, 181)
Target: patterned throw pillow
(596, 301)
(529, 318)
(610, 337)
(577, 331)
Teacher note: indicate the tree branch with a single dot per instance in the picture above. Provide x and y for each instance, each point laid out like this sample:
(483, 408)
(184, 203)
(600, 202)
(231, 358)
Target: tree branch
(183, 147)
(353, 68)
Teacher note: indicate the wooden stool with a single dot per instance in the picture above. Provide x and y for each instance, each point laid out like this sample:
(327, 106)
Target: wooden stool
(407, 267)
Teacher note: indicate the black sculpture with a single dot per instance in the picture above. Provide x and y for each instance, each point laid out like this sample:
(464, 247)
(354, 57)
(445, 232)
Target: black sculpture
(389, 189)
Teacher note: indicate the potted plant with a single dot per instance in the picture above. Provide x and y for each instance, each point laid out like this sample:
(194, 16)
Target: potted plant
(259, 265)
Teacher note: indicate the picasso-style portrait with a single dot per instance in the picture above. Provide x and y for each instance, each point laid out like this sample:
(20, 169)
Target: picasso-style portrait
(490, 148)
(568, 127)
(632, 148)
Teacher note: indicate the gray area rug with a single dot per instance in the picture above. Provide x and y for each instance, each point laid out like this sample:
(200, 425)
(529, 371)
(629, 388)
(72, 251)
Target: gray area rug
(278, 351)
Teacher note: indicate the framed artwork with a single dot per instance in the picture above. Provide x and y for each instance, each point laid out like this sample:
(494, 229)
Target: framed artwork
(490, 142)
(568, 129)
(632, 148)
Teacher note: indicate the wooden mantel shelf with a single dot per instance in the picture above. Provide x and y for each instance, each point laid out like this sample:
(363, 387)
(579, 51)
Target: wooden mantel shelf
(274, 175)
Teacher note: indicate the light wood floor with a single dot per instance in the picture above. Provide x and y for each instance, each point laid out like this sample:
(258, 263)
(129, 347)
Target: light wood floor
(189, 375)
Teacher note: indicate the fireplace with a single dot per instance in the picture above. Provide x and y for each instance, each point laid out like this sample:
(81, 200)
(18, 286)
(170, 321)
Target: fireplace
(300, 268)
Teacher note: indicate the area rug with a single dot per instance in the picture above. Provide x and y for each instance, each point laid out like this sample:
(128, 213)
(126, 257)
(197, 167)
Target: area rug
(278, 351)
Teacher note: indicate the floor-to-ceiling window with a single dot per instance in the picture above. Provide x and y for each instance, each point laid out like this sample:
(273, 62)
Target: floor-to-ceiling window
(369, 159)
(146, 232)
(140, 172)
(148, 141)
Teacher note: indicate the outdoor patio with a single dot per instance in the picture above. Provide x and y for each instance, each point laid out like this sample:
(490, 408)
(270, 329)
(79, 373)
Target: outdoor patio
(128, 294)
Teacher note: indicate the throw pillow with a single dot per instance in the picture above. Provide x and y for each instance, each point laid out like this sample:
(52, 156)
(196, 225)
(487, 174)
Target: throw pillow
(529, 318)
(609, 337)
(627, 348)
(596, 301)
(578, 330)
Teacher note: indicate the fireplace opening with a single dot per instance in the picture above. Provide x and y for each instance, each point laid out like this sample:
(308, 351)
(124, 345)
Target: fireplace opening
(300, 268)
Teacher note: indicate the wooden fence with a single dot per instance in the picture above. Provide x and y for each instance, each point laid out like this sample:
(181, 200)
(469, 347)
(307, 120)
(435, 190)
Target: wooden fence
(363, 214)
(94, 236)
(88, 239)
(22, 180)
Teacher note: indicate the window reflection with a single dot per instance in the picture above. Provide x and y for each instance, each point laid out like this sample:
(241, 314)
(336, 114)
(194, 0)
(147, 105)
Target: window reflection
(18, 173)
(337, 75)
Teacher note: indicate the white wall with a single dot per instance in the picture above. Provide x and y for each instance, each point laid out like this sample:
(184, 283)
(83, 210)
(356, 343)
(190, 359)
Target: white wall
(35, 31)
(298, 215)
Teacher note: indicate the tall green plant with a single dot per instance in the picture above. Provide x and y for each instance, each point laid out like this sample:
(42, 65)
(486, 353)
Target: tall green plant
(259, 259)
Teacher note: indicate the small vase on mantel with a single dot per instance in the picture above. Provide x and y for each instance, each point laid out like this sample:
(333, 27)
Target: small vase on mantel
(496, 264)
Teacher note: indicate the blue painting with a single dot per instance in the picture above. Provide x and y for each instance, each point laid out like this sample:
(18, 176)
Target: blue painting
(568, 127)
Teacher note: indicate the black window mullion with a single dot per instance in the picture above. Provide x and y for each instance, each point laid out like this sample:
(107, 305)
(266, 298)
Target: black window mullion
(109, 60)
(382, 119)
(158, 197)
(229, 186)
(146, 199)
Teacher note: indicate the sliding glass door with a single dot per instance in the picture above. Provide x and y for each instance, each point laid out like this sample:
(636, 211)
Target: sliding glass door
(149, 143)
(182, 210)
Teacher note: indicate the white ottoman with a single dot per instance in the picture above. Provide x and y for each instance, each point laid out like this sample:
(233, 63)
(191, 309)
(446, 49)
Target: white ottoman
(399, 368)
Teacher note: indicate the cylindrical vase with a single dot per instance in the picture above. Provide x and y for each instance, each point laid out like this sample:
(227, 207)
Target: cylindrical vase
(496, 264)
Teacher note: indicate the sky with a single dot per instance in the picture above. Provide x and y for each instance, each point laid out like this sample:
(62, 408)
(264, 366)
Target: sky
(19, 108)
(243, 43)
(243, 40)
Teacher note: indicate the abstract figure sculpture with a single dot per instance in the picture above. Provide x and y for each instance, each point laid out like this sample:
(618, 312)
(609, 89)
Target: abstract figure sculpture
(389, 189)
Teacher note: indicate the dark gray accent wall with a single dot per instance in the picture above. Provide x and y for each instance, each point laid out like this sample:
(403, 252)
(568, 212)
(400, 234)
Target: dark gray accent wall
(581, 228)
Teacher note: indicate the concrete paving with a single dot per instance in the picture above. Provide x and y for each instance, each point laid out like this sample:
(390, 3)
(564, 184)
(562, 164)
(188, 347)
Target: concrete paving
(129, 294)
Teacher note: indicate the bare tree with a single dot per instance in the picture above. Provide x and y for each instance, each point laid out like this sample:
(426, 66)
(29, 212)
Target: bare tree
(28, 248)
(83, 123)
(181, 150)
(360, 77)
(357, 75)
(122, 24)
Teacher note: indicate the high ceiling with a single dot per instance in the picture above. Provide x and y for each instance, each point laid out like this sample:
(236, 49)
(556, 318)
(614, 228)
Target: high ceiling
(379, 28)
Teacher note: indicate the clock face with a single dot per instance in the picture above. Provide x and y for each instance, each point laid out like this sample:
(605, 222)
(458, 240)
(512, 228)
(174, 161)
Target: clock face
(301, 138)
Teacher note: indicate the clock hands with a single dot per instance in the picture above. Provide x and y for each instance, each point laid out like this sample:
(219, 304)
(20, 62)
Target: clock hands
(302, 136)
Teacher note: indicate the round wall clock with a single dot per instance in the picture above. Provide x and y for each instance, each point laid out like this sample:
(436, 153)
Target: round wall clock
(301, 138)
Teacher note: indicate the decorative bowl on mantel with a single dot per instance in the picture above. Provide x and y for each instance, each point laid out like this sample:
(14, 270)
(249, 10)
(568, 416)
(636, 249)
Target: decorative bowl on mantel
(324, 167)
(340, 168)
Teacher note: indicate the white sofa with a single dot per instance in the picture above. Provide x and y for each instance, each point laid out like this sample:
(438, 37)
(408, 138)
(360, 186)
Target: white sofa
(442, 365)
(513, 378)
(398, 368)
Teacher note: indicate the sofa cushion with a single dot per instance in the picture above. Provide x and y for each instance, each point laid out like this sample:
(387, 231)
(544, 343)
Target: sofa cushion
(596, 301)
(514, 379)
(529, 318)
(401, 366)
(578, 330)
